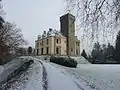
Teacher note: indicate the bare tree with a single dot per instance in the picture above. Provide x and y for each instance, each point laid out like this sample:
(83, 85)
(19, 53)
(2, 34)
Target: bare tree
(97, 19)
(11, 37)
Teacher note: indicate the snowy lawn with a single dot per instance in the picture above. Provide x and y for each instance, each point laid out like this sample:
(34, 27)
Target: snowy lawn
(94, 77)
(106, 77)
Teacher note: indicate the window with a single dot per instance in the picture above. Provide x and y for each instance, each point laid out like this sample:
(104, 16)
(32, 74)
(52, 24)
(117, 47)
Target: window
(37, 51)
(47, 41)
(57, 50)
(42, 42)
(37, 44)
(41, 51)
(71, 49)
(76, 52)
(77, 43)
(58, 41)
(47, 50)
(64, 41)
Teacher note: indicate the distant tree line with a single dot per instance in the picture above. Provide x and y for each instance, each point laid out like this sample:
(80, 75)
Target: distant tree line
(103, 54)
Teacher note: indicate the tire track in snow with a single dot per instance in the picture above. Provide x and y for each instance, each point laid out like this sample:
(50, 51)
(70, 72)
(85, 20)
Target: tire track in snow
(44, 78)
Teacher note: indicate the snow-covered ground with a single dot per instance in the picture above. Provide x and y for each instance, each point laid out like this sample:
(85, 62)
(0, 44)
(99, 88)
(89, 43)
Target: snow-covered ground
(81, 60)
(59, 81)
(106, 77)
(94, 77)
(49, 76)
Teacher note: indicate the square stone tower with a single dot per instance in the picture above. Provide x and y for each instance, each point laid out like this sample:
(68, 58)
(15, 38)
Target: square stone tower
(67, 24)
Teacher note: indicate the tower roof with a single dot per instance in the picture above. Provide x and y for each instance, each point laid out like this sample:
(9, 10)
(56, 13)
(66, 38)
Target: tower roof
(67, 15)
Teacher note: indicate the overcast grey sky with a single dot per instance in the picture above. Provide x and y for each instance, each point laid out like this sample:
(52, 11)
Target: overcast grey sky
(34, 16)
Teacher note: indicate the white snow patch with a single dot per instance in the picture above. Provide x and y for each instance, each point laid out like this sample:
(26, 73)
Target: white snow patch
(81, 60)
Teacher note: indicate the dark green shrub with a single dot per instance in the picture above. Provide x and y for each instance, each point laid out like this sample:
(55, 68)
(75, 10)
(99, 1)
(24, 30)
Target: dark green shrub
(69, 62)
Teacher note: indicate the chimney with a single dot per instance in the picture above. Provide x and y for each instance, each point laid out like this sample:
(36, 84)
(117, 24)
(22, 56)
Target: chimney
(50, 29)
(44, 32)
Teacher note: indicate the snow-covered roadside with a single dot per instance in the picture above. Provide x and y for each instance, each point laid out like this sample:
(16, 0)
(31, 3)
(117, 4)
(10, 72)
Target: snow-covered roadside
(10, 67)
(29, 80)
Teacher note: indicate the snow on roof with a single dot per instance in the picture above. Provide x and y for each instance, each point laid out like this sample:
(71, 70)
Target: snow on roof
(51, 32)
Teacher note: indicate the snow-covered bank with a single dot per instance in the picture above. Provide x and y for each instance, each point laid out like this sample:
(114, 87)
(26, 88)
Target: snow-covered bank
(28, 80)
(11, 66)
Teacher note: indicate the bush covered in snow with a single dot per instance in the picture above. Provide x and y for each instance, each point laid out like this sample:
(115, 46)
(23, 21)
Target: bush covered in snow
(69, 62)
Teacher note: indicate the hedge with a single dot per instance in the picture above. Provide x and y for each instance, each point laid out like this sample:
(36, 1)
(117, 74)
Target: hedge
(69, 62)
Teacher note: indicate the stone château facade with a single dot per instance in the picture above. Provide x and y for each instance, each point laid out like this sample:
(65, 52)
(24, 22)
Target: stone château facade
(59, 43)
